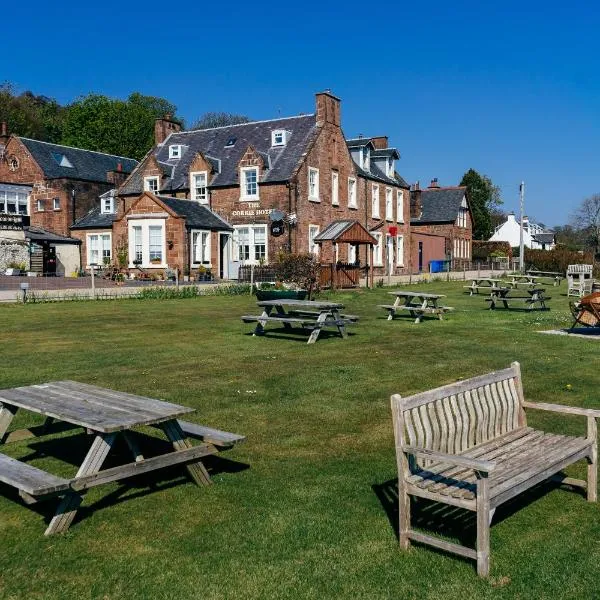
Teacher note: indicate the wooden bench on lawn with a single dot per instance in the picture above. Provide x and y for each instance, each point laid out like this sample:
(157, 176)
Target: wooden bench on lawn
(418, 311)
(468, 445)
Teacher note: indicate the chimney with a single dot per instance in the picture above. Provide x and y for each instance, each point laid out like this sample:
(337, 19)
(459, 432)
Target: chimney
(415, 201)
(3, 132)
(434, 184)
(117, 176)
(380, 142)
(328, 108)
(164, 127)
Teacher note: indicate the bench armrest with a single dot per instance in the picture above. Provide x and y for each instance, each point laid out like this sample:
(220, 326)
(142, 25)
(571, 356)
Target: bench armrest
(568, 410)
(484, 466)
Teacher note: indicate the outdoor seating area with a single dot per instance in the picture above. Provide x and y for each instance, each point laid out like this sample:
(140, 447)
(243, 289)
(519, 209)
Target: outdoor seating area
(535, 298)
(417, 304)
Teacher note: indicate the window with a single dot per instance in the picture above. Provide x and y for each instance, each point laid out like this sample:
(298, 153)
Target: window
(250, 243)
(13, 203)
(151, 184)
(375, 201)
(55, 203)
(335, 188)
(230, 142)
(175, 151)
(249, 183)
(462, 214)
(40, 206)
(198, 189)
(390, 167)
(313, 231)
(201, 247)
(366, 158)
(278, 137)
(389, 205)
(351, 192)
(98, 248)
(107, 205)
(378, 249)
(400, 251)
(351, 253)
(62, 160)
(147, 243)
(313, 184)
(399, 206)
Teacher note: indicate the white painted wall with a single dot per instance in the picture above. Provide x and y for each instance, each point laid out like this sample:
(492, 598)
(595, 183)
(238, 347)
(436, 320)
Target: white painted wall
(509, 232)
(67, 259)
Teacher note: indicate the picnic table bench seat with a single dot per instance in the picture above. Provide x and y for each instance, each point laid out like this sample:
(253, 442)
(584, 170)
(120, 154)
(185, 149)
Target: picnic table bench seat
(314, 313)
(216, 437)
(468, 445)
(29, 479)
(281, 319)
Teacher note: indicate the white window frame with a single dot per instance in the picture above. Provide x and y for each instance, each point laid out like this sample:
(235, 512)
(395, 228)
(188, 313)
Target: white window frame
(352, 193)
(389, 204)
(243, 195)
(375, 212)
(18, 202)
(313, 187)
(313, 232)
(55, 203)
(399, 206)
(378, 249)
(175, 151)
(351, 253)
(276, 133)
(147, 181)
(252, 228)
(390, 167)
(193, 194)
(399, 250)
(335, 188)
(39, 205)
(145, 224)
(206, 256)
(99, 236)
(111, 205)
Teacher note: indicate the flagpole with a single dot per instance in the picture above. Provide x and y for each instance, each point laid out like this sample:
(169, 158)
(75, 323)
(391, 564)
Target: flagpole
(521, 241)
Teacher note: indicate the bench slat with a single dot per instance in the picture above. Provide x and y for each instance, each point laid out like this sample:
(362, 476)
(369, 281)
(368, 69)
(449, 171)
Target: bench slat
(29, 479)
(212, 436)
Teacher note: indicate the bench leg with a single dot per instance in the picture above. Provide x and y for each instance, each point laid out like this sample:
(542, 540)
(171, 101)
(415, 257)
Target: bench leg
(7, 414)
(592, 470)
(403, 517)
(483, 525)
(67, 508)
(175, 435)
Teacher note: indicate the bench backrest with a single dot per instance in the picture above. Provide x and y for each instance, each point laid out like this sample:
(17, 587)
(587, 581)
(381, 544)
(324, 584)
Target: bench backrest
(573, 269)
(456, 417)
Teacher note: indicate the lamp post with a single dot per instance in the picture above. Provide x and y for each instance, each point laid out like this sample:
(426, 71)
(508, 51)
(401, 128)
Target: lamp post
(521, 241)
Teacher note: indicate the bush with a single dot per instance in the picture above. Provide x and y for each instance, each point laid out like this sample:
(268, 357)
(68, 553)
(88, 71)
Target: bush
(299, 269)
(483, 250)
(555, 260)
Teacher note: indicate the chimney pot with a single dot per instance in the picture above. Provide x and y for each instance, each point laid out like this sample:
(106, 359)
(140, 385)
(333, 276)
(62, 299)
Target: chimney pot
(119, 167)
(4, 129)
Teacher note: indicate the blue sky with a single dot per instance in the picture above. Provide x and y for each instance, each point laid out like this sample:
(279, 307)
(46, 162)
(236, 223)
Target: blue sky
(511, 90)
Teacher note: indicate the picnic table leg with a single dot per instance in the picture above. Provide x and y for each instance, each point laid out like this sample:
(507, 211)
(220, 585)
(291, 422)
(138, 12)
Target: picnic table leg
(175, 435)
(281, 313)
(7, 414)
(260, 325)
(420, 315)
(341, 327)
(317, 330)
(92, 463)
(133, 446)
(392, 311)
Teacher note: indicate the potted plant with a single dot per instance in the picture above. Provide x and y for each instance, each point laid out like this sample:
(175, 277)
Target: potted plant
(297, 277)
(186, 273)
(156, 261)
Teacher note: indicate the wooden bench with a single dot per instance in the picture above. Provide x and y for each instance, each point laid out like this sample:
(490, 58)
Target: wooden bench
(28, 479)
(468, 445)
(216, 437)
(315, 314)
(418, 311)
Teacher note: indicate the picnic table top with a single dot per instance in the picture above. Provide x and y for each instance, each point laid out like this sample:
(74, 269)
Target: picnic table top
(415, 294)
(306, 303)
(485, 279)
(90, 406)
(507, 289)
(551, 273)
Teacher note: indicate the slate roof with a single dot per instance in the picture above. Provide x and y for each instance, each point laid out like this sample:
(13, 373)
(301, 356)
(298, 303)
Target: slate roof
(37, 234)
(197, 216)
(359, 142)
(376, 174)
(281, 160)
(440, 205)
(544, 238)
(87, 164)
(95, 219)
(385, 152)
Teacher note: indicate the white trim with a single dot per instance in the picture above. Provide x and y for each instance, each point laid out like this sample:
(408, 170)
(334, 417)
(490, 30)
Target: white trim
(278, 132)
(39, 203)
(55, 203)
(313, 232)
(389, 204)
(354, 203)
(172, 151)
(111, 200)
(246, 197)
(193, 174)
(147, 181)
(335, 188)
(208, 255)
(251, 260)
(399, 206)
(400, 250)
(145, 233)
(88, 247)
(312, 197)
(375, 201)
(378, 249)
(161, 215)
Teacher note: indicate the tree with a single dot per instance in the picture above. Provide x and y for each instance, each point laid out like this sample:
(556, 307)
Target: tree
(28, 115)
(587, 219)
(122, 127)
(569, 237)
(210, 120)
(485, 199)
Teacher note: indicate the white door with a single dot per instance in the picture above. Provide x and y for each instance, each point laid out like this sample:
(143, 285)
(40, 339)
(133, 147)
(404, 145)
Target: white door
(390, 254)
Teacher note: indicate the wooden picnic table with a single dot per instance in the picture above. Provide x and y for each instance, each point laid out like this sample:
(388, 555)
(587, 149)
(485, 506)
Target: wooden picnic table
(523, 279)
(417, 304)
(106, 415)
(501, 294)
(481, 282)
(555, 276)
(306, 314)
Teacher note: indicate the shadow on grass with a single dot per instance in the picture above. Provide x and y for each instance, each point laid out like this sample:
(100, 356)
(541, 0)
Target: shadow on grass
(455, 523)
(298, 334)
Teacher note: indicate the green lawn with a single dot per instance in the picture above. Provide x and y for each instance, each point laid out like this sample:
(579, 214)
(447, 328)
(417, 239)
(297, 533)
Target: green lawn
(299, 511)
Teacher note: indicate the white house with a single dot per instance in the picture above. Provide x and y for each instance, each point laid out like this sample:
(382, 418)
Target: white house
(534, 236)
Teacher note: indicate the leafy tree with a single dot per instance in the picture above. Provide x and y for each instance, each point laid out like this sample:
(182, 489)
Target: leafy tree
(218, 119)
(485, 199)
(122, 127)
(587, 219)
(32, 116)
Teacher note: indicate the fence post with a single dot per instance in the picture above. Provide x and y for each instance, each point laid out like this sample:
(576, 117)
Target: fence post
(251, 279)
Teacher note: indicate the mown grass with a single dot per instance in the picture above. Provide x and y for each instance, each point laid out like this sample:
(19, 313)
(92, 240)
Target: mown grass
(299, 510)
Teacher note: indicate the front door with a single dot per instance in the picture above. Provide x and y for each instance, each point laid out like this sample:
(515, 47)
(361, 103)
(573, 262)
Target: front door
(420, 257)
(390, 254)
(226, 266)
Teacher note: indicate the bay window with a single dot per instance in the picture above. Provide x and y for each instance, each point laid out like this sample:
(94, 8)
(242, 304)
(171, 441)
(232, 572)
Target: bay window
(147, 247)
(250, 243)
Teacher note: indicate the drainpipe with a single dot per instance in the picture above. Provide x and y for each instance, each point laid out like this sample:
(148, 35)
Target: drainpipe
(73, 205)
(296, 196)
(289, 187)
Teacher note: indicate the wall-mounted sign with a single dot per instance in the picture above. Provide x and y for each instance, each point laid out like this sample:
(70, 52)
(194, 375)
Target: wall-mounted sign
(276, 215)
(251, 213)
(277, 228)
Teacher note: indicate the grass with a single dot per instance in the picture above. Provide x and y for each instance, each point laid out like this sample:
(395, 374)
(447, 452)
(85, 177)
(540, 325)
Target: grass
(299, 511)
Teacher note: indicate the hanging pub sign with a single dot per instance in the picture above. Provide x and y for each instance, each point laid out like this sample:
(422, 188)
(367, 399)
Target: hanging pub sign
(393, 230)
(277, 228)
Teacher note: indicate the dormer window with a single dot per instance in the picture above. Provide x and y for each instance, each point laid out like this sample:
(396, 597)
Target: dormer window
(62, 160)
(107, 205)
(151, 184)
(278, 137)
(390, 167)
(366, 158)
(230, 142)
(175, 151)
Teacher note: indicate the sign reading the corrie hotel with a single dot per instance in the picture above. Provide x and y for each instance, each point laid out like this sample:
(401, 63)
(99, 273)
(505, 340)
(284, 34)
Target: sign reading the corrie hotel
(253, 210)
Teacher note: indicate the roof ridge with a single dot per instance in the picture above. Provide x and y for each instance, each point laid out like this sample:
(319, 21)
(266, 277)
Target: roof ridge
(247, 123)
(75, 148)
